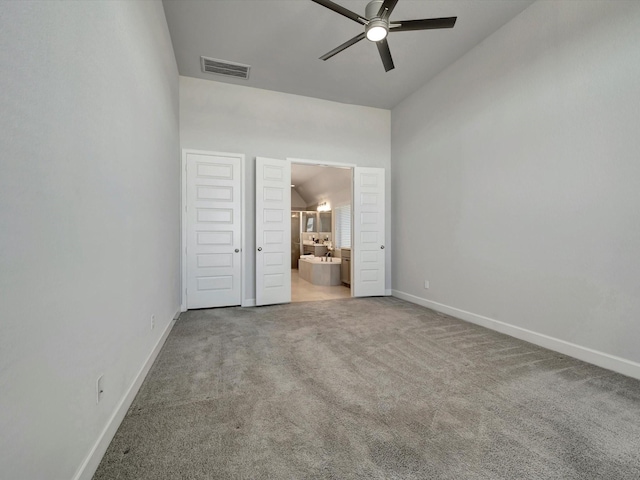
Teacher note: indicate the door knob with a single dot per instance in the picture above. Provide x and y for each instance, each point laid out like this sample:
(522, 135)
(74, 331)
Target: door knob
(382, 247)
(237, 250)
(259, 249)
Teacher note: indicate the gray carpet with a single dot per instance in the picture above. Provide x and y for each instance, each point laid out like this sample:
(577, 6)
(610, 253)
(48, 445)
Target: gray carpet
(370, 389)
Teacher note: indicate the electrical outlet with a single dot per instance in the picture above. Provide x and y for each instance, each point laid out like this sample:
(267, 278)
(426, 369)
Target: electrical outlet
(99, 388)
(153, 322)
(426, 284)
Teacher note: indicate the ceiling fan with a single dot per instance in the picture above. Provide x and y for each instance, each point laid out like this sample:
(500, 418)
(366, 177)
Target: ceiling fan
(377, 26)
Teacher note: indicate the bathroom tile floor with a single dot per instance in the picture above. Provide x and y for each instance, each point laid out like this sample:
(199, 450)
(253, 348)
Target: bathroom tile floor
(303, 291)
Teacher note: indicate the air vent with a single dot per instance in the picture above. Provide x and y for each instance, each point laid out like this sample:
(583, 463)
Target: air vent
(222, 67)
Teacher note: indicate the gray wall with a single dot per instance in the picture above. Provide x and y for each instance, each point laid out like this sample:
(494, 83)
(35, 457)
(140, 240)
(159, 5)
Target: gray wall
(89, 215)
(516, 178)
(230, 118)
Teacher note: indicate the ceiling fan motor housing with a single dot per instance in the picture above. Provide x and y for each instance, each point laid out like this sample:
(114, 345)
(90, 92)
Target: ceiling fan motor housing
(375, 22)
(372, 9)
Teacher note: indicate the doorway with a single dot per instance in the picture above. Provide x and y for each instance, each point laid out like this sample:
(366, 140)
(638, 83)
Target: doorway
(273, 243)
(321, 213)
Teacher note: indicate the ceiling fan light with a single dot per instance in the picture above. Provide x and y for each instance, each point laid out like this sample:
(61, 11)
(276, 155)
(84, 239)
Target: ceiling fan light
(377, 29)
(375, 34)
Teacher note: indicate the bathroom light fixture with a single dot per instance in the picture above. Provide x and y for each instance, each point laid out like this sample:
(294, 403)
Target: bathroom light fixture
(324, 207)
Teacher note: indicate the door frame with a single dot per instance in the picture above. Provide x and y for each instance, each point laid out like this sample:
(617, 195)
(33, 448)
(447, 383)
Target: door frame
(183, 221)
(352, 166)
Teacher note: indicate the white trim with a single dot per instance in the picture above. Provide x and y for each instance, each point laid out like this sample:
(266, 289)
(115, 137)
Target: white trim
(388, 292)
(595, 357)
(183, 220)
(249, 302)
(243, 203)
(320, 163)
(91, 462)
(183, 232)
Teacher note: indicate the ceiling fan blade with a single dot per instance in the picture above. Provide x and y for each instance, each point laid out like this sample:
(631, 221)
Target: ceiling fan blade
(426, 24)
(342, 11)
(385, 54)
(345, 45)
(386, 8)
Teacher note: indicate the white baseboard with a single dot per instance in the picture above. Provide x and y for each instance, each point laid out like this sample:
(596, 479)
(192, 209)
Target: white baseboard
(604, 360)
(388, 292)
(90, 464)
(249, 302)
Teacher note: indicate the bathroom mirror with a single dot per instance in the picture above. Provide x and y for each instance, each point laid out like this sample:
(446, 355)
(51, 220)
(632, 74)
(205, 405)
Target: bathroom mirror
(325, 222)
(309, 222)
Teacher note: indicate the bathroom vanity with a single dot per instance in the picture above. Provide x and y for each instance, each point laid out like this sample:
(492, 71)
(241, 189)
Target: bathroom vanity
(345, 268)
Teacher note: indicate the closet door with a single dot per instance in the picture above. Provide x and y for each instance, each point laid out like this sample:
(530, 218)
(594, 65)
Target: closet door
(273, 231)
(214, 228)
(369, 232)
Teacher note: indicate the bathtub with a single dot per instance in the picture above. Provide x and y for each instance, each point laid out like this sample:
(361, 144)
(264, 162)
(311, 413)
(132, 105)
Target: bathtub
(317, 271)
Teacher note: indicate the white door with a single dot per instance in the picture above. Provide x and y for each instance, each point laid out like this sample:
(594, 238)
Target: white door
(273, 231)
(214, 226)
(368, 254)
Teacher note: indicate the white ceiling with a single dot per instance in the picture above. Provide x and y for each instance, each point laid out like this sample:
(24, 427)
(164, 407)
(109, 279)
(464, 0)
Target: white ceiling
(282, 40)
(301, 174)
(316, 183)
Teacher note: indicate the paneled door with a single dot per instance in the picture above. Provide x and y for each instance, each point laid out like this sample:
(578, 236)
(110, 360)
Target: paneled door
(273, 231)
(214, 226)
(368, 253)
